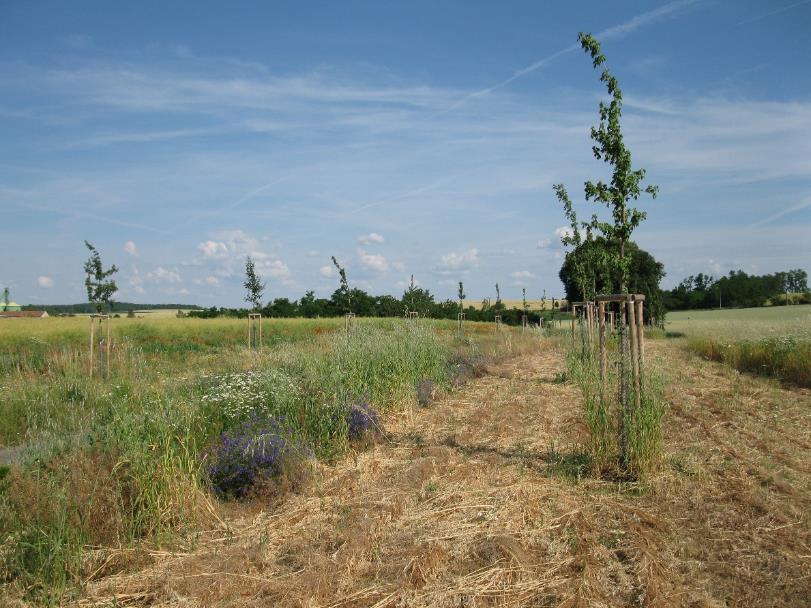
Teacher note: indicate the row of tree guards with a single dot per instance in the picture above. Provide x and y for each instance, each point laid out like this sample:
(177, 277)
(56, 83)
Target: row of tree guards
(597, 317)
(100, 338)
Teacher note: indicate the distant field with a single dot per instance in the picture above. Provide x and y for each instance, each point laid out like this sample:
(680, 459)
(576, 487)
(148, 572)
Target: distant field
(743, 322)
(532, 304)
(773, 341)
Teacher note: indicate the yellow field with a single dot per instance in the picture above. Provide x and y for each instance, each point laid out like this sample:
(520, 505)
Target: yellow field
(533, 305)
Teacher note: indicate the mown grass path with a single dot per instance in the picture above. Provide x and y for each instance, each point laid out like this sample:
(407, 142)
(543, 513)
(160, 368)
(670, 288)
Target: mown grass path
(482, 500)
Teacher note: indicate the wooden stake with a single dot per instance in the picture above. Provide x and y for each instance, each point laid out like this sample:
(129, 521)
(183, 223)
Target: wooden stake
(640, 331)
(634, 346)
(603, 360)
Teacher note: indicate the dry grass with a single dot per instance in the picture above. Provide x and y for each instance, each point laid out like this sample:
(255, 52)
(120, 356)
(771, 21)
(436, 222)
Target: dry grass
(483, 500)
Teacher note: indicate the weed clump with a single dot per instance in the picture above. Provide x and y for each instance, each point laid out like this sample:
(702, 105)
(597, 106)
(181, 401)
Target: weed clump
(257, 451)
(361, 420)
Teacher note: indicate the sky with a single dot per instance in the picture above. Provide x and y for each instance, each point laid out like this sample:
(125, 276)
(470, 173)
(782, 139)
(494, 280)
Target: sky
(404, 138)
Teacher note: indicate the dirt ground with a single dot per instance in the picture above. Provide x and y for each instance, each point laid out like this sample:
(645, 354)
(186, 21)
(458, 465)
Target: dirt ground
(481, 499)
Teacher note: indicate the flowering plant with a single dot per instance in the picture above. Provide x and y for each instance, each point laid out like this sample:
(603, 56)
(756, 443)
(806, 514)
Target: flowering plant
(256, 450)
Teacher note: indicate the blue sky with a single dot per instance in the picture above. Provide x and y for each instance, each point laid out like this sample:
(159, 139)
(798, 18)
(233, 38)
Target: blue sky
(419, 137)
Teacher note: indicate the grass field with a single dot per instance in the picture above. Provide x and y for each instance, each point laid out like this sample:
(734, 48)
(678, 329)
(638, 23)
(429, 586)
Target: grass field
(771, 341)
(480, 491)
(88, 462)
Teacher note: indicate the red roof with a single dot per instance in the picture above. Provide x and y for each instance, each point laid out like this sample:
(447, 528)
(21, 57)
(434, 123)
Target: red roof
(22, 313)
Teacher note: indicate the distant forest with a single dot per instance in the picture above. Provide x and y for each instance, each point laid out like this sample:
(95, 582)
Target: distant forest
(362, 304)
(739, 290)
(117, 307)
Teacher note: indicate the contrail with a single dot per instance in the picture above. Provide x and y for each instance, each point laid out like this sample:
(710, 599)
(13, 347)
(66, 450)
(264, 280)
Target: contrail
(616, 31)
(769, 14)
(799, 206)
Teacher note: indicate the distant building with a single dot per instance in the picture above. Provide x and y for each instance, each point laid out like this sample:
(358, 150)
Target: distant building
(11, 306)
(22, 314)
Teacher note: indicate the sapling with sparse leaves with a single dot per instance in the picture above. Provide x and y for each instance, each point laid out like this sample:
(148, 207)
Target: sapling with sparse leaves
(100, 287)
(624, 187)
(344, 291)
(253, 284)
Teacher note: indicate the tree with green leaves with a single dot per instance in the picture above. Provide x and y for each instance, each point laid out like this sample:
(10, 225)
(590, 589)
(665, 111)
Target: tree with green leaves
(253, 284)
(344, 293)
(462, 297)
(499, 304)
(6, 297)
(604, 251)
(524, 296)
(100, 287)
(626, 182)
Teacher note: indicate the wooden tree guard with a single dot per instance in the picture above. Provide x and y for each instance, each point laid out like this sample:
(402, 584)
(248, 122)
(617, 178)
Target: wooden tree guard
(632, 349)
(412, 315)
(100, 344)
(461, 319)
(524, 323)
(349, 321)
(255, 330)
(497, 320)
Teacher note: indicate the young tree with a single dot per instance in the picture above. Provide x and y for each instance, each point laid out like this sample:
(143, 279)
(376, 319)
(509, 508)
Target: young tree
(498, 305)
(626, 182)
(253, 284)
(524, 296)
(345, 295)
(100, 288)
(461, 297)
(6, 296)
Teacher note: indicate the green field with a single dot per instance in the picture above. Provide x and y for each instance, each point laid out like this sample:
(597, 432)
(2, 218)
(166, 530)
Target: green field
(743, 322)
(770, 341)
(91, 462)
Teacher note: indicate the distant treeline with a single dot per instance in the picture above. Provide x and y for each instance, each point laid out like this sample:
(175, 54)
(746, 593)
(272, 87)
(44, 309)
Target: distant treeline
(362, 304)
(119, 307)
(739, 290)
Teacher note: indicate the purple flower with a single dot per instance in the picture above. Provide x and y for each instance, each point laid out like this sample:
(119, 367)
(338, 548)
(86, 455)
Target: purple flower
(360, 419)
(255, 450)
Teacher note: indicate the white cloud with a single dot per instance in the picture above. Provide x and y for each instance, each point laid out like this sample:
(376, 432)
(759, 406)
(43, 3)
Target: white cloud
(398, 265)
(522, 274)
(326, 271)
(163, 275)
(313, 253)
(462, 261)
(213, 250)
(131, 249)
(372, 237)
(544, 243)
(45, 282)
(209, 280)
(373, 261)
(564, 231)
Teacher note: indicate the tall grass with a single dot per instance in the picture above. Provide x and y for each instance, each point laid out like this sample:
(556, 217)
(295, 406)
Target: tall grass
(786, 358)
(605, 416)
(110, 463)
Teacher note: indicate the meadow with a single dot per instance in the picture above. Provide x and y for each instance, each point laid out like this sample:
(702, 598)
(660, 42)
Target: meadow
(142, 456)
(771, 341)
(399, 460)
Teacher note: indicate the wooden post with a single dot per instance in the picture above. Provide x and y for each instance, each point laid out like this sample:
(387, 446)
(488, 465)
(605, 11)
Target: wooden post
(461, 317)
(603, 360)
(254, 330)
(630, 305)
(100, 344)
(640, 331)
(92, 328)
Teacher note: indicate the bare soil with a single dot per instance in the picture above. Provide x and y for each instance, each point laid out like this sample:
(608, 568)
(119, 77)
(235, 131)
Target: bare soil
(483, 499)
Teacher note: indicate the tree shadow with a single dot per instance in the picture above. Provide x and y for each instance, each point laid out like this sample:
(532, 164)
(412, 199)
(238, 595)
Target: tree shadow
(573, 464)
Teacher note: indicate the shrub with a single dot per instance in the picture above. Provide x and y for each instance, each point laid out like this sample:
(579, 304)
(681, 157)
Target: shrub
(256, 451)
(360, 420)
